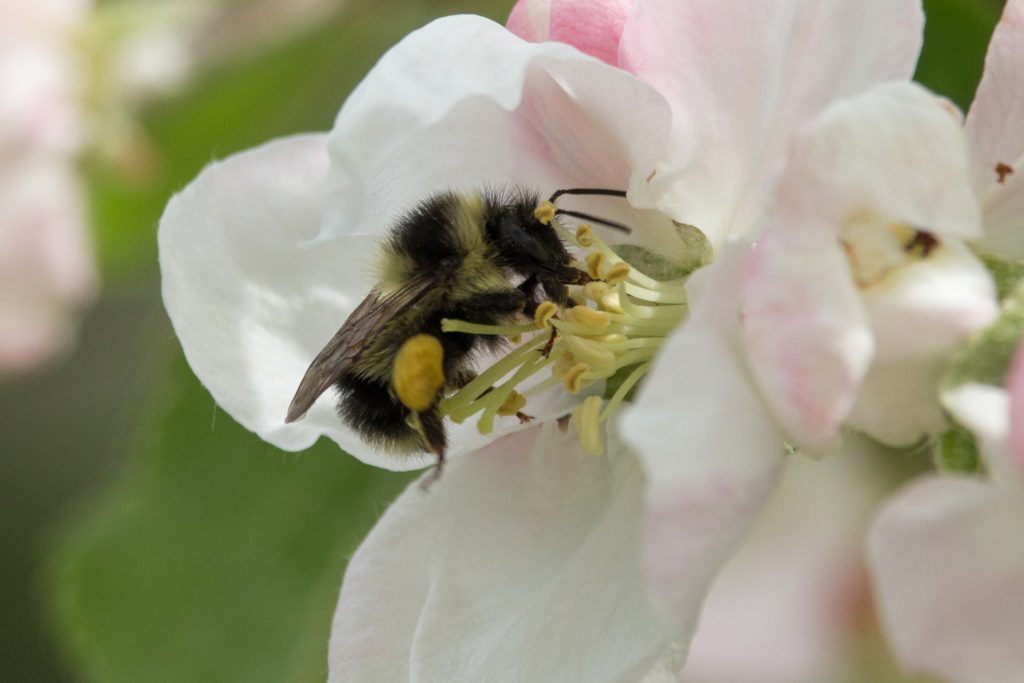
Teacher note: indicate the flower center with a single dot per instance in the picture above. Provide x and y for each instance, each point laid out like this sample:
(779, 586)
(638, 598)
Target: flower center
(875, 249)
(610, 332)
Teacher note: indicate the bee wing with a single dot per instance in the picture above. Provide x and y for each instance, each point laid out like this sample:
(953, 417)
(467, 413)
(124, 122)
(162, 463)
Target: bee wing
(364, 323)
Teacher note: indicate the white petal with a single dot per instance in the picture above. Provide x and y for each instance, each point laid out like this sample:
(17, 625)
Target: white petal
(803, 559)
(463, 104)
(896, 153)
(928, 308)
(947, 556)
(898, 402)
(711, 452)
(250, 303)
(993, 126)
(742, 77)
(521, 564)
(986, 411)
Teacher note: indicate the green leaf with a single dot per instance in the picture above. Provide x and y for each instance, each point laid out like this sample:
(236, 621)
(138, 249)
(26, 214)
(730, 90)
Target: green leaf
(221, 559)
(957, 451)
(956, 36)
(986, 359)
(1006, 273)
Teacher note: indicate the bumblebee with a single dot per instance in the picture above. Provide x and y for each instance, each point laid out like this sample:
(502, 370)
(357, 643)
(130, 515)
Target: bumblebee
(455, 255)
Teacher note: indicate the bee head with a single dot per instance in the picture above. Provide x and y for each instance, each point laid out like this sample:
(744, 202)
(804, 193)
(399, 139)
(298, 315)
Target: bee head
(527, 245)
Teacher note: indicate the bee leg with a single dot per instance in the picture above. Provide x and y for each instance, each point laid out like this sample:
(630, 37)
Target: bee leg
(431, 425)
(529, 290)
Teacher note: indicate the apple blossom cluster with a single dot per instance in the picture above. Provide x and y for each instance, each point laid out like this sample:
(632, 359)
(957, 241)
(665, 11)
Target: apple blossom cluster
(823, 262)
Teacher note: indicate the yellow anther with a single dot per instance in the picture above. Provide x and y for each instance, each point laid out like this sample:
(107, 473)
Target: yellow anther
(594, 263)
(545, 213)
(586, 417)
(542, 316)
(513, 404)
(590, 317)
(590, 352)
(418, 372)
(577, 295)
(584, 235)
(614, 338)
(595, 290)
(616, 273)
(574, 377)
(904, 233)
(610, 302)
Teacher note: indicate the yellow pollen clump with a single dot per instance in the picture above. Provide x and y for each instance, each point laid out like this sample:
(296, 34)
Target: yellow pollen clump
(616, 273)
(586, 417)
(590, 317)
(584, 235)
(595, 290)
(590, 352)
(513, 404)
(418, 373)
(594, 262)
(542, 316)
(611, 302)
(545, 213)
(573, 378)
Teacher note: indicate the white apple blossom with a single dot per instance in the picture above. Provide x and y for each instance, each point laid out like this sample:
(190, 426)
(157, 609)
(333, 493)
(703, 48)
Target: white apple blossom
(946, 552)
(530, 560)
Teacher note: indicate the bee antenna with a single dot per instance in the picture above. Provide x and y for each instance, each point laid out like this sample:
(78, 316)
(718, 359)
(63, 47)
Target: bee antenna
(587, 191)
(595, 219)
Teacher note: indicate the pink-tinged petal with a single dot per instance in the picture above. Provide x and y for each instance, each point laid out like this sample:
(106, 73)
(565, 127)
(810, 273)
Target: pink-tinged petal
(710, 450)
(591, 26)
(997, 138)
(808, 567)
(1015, 385)
(947, 558)
(742, 77)
(531, 20)
(805, 330)
(487, 109)
(521, 564)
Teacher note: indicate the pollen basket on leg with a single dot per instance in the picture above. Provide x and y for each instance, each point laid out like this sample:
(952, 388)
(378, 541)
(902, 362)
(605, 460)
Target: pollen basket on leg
(418, 373)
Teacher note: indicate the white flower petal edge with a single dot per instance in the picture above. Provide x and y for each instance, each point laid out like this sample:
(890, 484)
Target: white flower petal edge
(948, 557)
(997, 136)
(521, 564)
(253, 303)
(710, 449)
(486, 109)
(742, 77)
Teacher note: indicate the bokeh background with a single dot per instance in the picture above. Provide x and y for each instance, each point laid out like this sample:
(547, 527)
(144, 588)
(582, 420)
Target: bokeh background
(145, 535)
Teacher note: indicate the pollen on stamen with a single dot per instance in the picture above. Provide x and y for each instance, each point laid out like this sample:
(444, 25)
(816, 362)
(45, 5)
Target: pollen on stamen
(586, 417)
(574, 377)
(599, 320)
(545, 213)
(512, 405)
(542, 316)
(616, 273)
(594, 262)
(584, 235)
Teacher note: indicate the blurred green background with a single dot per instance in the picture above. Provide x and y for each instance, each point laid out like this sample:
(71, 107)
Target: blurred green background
(146, 535)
